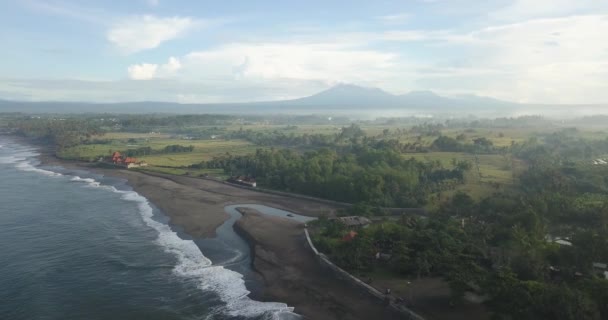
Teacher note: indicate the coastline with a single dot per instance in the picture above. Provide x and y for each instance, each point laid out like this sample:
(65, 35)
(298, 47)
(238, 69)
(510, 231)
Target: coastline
(291, 272)
(194, 204)
(286, 267)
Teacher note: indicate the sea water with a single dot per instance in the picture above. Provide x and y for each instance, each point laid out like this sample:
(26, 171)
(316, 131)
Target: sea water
(74, 245)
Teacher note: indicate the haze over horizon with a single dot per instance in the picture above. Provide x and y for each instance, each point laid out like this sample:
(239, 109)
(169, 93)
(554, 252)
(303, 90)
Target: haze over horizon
(523, 51)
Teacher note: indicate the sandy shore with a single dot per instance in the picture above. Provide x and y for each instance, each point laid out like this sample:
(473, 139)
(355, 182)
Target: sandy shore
(292, 274)
(287, 267)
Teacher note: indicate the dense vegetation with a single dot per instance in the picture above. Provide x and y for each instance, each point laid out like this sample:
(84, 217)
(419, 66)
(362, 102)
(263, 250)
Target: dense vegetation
(502, 246)
(377, 176)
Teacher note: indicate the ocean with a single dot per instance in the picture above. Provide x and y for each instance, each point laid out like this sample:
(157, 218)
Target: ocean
(76, 245)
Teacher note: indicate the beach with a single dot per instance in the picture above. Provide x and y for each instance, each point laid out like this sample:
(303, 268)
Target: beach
(285, 264)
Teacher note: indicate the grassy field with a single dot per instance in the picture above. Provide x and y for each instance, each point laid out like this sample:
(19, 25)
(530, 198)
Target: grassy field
(203, 150)
(490, 172)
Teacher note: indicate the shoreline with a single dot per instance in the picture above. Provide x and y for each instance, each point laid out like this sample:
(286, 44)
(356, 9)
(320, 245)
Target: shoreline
(194, 204)
(285, 267)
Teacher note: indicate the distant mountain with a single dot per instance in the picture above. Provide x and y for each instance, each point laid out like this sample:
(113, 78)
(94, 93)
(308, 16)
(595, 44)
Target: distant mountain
(342, 99)
(351, 96)
(347, 95)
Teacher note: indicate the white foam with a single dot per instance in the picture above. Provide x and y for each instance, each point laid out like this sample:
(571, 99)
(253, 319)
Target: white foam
(10, 159)
(89, 181)
(27, 166)
(229, 285)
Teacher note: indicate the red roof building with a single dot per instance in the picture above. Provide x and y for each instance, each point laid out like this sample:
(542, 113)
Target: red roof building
(130, 160)
(116, 157)
(349, 236)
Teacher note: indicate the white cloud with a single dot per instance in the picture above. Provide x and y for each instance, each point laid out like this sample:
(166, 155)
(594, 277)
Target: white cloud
(172, 65)
(518, 10)
(147, 71)
(144, 71)
(304, 61)
(147, 32)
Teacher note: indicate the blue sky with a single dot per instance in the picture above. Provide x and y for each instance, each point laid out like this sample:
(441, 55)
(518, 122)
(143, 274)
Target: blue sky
(544, 51)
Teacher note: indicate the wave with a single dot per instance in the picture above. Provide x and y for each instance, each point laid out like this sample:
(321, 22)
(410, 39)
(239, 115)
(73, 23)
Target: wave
(192, 264)
(89, 181)
(10, 159)
(27, 166)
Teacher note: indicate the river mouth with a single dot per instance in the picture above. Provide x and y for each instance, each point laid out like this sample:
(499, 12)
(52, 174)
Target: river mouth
(229, 250)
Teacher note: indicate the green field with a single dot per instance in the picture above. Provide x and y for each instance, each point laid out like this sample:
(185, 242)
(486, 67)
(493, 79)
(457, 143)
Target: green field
(203, 150)
(495, 171)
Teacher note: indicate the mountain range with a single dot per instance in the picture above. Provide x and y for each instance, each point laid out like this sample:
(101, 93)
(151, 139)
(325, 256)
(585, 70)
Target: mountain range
(340, 99)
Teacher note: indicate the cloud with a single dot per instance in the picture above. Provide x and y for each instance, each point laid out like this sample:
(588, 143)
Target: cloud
(147, 71)
(144, 71)
(304, 61)
(139, 33)
(518, 10)
(172, 65)
(522, 50)
(153, 90)
(558, 60)
(153, 3)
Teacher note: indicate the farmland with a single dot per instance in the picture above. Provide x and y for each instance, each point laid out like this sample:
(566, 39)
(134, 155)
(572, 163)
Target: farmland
(489, 173)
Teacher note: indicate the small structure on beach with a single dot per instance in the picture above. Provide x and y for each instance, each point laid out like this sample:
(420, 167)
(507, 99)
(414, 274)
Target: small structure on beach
(243, 180)
(137, 164)
(119, 160)
(354, 221)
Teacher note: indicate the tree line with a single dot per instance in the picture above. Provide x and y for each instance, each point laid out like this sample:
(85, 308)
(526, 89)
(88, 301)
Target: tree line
(378, 176)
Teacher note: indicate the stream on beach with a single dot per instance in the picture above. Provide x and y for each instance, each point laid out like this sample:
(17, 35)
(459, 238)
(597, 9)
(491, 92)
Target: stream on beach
(78, 245)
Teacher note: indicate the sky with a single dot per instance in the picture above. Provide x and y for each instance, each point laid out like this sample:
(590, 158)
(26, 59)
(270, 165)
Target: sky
(198, 51)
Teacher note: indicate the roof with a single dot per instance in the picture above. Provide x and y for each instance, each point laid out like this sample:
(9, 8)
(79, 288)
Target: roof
(563, 242)
(354, 221)
(600, 265)
(350, 236)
